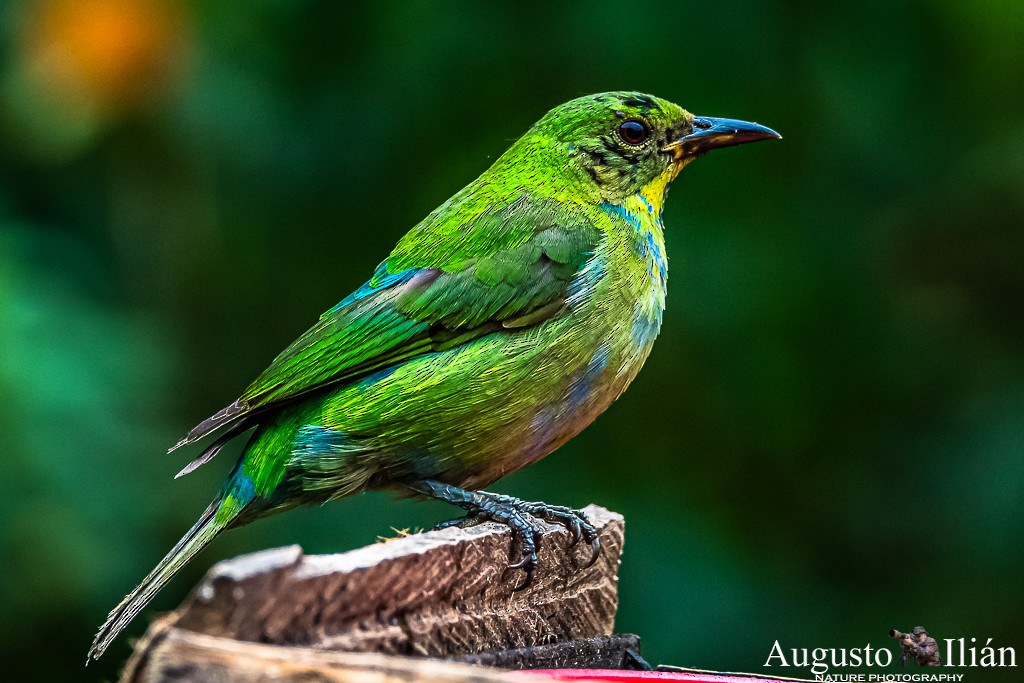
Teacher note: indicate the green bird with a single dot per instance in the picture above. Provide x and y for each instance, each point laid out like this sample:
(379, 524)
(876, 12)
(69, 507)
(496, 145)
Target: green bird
(499, 327)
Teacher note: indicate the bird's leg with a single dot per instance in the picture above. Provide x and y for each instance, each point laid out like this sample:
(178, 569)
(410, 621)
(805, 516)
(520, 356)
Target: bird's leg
(520, 516)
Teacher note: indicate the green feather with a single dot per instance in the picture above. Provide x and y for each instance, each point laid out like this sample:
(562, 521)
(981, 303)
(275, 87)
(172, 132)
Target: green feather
(498, 328)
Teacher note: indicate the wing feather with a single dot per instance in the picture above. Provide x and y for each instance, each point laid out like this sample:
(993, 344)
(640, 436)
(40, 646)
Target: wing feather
(508, 269)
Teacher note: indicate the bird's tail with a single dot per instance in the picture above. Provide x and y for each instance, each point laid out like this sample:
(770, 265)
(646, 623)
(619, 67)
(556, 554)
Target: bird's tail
(215, 519)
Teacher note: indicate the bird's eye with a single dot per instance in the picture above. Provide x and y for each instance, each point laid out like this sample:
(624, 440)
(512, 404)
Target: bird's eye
(633, 132)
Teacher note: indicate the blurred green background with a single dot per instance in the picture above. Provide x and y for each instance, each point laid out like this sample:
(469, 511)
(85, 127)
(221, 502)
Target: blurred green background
(826, 442)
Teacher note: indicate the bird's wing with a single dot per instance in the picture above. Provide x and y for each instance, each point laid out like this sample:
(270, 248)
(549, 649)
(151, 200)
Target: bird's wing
(446, 283)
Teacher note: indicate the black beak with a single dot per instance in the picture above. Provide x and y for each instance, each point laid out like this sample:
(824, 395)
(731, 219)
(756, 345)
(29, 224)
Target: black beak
(709, 133)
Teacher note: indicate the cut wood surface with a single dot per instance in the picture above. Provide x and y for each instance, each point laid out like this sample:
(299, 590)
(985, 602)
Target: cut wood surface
(442, 594)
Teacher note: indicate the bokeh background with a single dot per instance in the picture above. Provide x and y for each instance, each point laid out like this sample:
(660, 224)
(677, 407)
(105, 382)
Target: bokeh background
(826, 442)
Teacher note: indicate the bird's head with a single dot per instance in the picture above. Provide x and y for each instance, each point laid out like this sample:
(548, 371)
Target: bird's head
(622, 143)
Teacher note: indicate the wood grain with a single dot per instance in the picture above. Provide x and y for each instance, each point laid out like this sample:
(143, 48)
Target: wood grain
(443, 594)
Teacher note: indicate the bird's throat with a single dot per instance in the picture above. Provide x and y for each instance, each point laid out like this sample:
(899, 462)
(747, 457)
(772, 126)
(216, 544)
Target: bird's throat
(652, 196)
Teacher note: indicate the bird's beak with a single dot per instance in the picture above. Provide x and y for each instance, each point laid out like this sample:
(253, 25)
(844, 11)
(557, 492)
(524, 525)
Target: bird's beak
(709, 133)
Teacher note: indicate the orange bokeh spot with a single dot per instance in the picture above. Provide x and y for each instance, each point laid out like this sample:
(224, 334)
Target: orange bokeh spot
(104, 54)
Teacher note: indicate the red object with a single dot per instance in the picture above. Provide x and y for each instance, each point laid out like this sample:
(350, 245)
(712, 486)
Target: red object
(618, 676)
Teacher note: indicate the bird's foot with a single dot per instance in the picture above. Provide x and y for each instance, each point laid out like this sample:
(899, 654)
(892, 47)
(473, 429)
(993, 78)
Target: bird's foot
(575, 521)
(520, 516)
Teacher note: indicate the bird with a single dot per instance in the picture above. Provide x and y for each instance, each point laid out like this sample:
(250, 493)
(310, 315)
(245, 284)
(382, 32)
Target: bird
(499, 327)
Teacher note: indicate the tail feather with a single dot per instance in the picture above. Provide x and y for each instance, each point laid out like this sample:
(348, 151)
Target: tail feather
(212, 450)
(202, 532)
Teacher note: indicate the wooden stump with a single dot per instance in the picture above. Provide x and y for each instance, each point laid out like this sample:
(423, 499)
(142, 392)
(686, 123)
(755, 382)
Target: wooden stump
(182, 656)
(448, 594)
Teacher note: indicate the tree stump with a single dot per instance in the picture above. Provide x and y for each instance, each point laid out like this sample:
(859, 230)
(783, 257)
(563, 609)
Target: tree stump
(447, 594)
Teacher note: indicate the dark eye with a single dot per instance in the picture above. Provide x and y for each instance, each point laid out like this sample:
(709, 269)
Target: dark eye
(633, 132)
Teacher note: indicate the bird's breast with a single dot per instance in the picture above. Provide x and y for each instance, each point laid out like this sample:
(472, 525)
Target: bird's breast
(617, 302)
(637, 269)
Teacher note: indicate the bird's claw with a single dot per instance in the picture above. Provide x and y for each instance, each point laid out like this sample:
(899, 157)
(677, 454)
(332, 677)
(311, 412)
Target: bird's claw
(524, 561)
(575, 522)
(595, 548)
(529, 537)
(519, 516)
(576, 529)
(529, 568)
(527, 562)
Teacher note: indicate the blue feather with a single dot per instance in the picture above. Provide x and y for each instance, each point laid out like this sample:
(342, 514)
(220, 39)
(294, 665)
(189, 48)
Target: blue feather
(381, 279)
